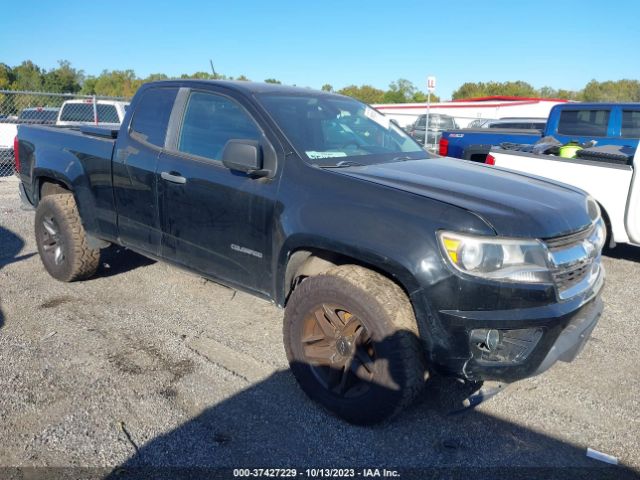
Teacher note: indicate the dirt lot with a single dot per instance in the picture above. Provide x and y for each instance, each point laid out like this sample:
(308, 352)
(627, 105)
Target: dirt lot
(148, 365)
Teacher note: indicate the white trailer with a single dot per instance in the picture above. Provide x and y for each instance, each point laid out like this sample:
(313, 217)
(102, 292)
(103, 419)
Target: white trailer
(465, 111)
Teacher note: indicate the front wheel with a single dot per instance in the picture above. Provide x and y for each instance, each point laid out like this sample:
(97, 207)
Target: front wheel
(351, 340)
(61, 239)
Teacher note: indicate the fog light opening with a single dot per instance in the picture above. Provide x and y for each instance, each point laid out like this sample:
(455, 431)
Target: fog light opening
(486, 340)
(503, 346)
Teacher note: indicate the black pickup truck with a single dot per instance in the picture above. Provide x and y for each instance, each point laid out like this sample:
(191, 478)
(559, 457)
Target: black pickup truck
(391, 265)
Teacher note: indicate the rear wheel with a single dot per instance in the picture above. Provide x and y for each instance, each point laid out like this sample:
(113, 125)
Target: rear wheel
(61, 239)
(352, 344)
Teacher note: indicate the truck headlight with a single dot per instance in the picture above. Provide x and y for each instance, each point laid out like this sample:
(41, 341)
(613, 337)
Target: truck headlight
(496, 258)
(593, 208)
(599, 235)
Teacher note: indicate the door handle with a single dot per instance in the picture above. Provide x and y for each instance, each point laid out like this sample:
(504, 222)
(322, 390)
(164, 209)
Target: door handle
(173, 177)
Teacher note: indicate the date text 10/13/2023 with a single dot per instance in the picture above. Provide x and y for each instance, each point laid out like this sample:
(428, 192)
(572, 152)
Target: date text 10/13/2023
(315, 473)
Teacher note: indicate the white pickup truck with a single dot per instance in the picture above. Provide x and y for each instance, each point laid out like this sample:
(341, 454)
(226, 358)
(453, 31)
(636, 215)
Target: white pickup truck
(611, 179)
(106, 113)
(72, 113)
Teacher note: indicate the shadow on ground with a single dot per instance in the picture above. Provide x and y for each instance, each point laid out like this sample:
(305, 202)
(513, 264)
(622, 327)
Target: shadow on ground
(272, 424)
(10, 246)
(115, 260)
(624, 252)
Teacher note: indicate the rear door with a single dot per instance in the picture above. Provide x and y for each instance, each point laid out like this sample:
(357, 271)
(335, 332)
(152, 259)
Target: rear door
(215, 220)
(134, 170)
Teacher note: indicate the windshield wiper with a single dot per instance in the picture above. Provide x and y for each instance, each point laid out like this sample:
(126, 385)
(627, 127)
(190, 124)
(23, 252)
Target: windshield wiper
(343, 164)
(404, 158)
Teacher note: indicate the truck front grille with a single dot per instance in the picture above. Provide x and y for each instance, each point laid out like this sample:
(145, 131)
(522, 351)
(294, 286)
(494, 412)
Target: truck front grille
(568, 277)
(576, 264)
(567, 241)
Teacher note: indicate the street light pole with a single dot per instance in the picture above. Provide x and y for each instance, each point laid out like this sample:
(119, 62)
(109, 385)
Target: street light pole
(431, 86)
(426, 123)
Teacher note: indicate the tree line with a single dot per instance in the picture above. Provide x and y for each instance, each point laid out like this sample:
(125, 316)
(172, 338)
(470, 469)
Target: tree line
(124, 83)
(608, 91)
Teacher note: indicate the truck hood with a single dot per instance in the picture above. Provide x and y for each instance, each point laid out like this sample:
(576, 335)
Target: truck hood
(513, 205)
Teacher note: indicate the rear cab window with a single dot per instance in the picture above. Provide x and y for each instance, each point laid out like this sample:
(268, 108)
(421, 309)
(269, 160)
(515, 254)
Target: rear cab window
(588, 122)
(151, 116)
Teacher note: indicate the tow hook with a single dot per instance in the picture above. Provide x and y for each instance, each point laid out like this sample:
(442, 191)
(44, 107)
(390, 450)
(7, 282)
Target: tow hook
(489, 389)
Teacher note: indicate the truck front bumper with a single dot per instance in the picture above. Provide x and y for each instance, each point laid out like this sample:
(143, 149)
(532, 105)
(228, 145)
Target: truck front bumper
(509, 345)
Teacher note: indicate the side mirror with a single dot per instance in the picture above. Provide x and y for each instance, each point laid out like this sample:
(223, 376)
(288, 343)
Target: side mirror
(243, 156)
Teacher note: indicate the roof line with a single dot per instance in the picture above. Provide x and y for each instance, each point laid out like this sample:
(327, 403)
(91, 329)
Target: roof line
(508, 98)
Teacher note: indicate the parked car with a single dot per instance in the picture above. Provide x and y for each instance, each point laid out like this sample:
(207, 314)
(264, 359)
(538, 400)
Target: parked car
(43, 115)
(606, 123)
(437, 123)
(513, 122)
(607, 174)
(8, 128)
(389, 264)
(108, 113)
(478, 122)
(509, 122)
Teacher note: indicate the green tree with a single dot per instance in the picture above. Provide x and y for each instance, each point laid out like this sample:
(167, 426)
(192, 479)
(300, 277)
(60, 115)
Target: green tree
(364, 93)
(567, 94)
(242, 78)
(273, 80)
(611, 91)
(28, 76)
(89, 86)
(117, 83)
(7, 77)
(482, 89)
(64, 79)
(327, 87)
(199, 76)
(154, 77)
(421, 97)
(400, 91)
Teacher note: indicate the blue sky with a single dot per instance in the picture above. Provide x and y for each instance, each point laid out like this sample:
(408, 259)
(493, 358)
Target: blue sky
(563, 44)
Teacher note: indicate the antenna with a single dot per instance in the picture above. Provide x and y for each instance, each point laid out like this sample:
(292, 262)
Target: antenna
(213, 70)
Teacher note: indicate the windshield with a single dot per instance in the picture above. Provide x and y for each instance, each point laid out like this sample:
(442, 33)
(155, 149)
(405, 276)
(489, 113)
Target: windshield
(337, 131)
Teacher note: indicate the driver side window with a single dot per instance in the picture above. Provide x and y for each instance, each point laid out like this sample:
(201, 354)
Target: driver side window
(210, 121)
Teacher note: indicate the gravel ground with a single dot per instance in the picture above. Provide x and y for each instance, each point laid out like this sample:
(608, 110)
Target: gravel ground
(149, 365)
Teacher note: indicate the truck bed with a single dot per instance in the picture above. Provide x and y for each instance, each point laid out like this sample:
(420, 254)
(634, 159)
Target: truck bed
(85, 159)
(475, 143)
(610, 181)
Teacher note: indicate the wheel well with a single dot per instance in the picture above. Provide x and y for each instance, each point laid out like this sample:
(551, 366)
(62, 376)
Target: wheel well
(610, 243)
(49, 186)
(308, 263)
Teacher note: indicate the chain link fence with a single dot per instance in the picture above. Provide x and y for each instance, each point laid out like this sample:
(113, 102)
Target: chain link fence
(54, 109)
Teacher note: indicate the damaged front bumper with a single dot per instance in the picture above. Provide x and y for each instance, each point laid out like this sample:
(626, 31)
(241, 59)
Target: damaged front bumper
(509, 345)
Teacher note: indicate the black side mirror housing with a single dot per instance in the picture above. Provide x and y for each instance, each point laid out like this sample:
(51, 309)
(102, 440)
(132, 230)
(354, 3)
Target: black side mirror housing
(243, 156)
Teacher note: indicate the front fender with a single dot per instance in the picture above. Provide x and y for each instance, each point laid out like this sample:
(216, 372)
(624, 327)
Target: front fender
(361, 255)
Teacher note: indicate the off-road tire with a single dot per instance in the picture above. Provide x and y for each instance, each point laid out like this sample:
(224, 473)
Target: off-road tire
(78, 261)
(386, 313)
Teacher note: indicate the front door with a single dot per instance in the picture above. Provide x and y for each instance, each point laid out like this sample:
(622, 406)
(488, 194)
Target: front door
(215, 220)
